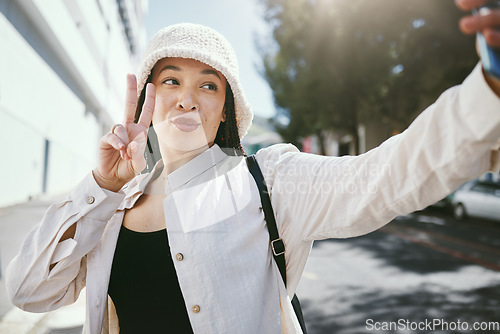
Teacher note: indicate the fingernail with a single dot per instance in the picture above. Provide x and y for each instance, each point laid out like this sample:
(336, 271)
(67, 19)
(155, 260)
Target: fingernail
(133, 146)
(468, 23)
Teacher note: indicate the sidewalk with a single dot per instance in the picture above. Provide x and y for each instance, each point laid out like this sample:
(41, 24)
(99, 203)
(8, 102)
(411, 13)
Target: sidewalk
(15, 222)
(66, 320)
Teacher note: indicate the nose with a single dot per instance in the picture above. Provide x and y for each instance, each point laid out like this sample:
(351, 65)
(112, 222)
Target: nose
(187, 101)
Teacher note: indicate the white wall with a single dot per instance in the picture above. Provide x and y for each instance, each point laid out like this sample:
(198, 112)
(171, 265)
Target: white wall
(62, 78)
(36, 105)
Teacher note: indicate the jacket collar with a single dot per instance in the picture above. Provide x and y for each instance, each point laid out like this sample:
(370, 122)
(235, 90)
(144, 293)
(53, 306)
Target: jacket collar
(199, 164)
(195, 167)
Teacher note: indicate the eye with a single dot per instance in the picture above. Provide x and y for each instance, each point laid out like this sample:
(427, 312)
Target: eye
(170, 82)
(210, 86)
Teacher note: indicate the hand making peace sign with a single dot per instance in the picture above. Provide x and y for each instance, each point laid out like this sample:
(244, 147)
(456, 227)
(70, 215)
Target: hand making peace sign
(121, 151)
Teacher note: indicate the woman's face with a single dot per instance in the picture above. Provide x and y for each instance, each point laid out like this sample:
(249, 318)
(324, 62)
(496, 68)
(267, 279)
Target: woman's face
(189, 105)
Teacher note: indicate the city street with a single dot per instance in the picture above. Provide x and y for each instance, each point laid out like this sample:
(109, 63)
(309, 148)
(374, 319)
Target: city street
(420, 267)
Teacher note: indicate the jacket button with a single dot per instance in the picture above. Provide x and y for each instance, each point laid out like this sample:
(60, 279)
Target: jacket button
(90, 199)
(179, 257)
(196, 309)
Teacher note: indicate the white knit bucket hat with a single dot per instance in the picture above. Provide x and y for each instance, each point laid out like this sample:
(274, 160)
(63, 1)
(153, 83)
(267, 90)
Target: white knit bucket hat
(194, 41)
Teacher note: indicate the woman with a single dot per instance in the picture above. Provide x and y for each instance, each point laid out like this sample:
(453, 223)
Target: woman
(186, 244)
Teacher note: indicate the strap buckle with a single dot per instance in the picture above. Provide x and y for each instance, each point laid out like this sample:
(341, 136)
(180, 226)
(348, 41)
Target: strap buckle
(278, 247)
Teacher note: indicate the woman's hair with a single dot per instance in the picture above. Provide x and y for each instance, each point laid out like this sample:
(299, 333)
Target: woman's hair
(227, 134)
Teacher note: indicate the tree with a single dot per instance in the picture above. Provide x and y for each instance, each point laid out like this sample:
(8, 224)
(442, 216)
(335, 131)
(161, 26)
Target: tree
(336, 63)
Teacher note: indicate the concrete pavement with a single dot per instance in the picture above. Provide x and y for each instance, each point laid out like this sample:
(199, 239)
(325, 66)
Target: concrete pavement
(15, 222)
(412, 270)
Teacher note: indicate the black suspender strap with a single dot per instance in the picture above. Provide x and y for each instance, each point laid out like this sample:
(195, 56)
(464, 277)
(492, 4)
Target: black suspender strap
(277, 244)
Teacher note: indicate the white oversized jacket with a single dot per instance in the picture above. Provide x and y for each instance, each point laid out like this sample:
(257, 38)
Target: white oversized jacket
(213, 217)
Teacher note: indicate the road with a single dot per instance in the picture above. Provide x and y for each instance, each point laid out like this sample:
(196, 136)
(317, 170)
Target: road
(420, 267)
(424, 269)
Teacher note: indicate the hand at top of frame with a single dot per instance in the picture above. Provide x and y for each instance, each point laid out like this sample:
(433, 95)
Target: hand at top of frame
(121, 151)
(488, 24)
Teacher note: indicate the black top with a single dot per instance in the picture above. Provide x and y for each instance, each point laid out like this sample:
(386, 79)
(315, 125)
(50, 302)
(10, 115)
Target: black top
(144, 285)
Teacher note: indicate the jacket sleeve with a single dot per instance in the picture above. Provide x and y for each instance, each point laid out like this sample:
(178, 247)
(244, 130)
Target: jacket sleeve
(318, 197)
(46, 273)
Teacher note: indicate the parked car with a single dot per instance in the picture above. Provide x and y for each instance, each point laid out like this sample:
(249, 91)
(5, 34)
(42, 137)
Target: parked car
(477, 198)
(443, 204)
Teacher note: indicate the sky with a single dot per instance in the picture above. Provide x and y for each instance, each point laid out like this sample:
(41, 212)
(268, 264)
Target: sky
(239, 21)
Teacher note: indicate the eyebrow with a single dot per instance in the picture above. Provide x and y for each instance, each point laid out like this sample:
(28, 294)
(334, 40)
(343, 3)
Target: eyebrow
(176, 68)
(209, 71)
(170, 67)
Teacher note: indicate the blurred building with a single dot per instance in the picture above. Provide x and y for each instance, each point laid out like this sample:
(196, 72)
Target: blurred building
(338, 143)
(63, 65)
(261, 134)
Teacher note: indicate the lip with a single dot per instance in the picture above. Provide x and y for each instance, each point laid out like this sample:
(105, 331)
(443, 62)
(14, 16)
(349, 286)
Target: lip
(185, 124)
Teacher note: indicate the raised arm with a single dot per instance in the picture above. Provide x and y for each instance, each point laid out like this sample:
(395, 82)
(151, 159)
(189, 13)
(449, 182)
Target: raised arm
(121, 151)
(50, 269)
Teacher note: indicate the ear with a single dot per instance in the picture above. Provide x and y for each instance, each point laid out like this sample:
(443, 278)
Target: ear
(224, 114)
